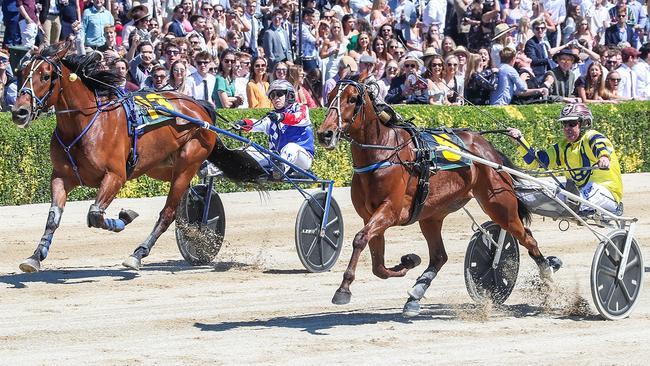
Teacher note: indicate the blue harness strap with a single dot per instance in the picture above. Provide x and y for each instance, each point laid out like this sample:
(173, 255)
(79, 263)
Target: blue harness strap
(373, 167)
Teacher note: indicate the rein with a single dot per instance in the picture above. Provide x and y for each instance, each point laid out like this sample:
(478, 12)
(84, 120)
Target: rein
(38, 104)
(343, 132)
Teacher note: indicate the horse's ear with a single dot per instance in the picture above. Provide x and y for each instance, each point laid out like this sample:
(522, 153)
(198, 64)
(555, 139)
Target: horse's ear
(362, 77)
(64, 48)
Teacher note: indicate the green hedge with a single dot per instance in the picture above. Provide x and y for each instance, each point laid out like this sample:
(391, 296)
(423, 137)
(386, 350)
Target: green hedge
(25, 164)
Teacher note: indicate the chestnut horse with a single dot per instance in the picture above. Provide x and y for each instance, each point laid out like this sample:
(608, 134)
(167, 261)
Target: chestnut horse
(383, 192)
(91, 145)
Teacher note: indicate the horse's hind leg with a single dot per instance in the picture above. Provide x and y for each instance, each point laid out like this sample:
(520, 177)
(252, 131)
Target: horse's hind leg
(59, 198)
(431, 229)
(108, 189)
(501, 204)
(167, 215)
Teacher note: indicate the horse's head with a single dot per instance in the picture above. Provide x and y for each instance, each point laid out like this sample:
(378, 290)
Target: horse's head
(347, 99)
(39, 75)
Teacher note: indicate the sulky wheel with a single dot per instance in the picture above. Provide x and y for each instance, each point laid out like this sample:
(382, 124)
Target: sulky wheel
(319, 254)
(199, 244)
(615, 298)
(483, 280)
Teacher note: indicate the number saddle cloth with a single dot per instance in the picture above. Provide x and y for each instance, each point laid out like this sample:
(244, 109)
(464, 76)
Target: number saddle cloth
(429, 160)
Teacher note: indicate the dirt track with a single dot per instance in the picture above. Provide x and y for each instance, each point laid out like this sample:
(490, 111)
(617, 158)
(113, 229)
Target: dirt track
(256, 305)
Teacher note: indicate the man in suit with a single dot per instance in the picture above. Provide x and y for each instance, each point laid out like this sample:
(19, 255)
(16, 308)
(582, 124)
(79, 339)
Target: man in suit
(276, 41)
(538, 50)
(621, 31)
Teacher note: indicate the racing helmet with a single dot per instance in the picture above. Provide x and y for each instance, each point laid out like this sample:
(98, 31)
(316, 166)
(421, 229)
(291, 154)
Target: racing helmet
(577, 112)
(283, 86)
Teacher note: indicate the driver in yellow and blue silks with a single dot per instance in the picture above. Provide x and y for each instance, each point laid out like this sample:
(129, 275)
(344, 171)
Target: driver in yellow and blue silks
(581, 150)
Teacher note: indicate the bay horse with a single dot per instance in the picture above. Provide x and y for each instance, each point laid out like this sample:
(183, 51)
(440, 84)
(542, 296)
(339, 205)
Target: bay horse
(384, 190)
(90, 145)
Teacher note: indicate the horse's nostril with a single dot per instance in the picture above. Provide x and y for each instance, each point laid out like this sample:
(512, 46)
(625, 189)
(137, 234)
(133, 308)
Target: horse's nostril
(22, 112)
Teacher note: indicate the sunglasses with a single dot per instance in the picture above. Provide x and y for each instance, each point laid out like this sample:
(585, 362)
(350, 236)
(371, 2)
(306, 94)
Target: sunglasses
(570, 124)
(436, 64)
(277, 94)
(392, 69)
(173, 52)
(207, 9)
(616, 80)
(202, 62)
(228, 61)
(410, 66)
(451, 64)
(4, 60)
(260, 66)
(540, 28)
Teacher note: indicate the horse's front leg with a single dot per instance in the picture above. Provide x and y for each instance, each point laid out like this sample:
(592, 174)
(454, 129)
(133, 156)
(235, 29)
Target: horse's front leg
(178, 187)
(381, 219)
(108, 189)
(59, 198)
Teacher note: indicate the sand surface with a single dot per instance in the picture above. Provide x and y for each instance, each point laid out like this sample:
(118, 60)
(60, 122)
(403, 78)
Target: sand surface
(257, 305)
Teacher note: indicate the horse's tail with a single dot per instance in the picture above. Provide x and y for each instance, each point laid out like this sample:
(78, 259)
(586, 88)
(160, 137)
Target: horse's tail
(522, 210)
(236, 165)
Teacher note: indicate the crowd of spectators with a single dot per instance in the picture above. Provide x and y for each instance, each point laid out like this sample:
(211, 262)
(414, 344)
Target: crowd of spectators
(445, 52)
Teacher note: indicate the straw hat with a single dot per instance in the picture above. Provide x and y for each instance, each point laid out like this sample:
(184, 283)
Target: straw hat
(501, 30)
(411, 58)
(463, 50)
(347, 61)
(428, 52)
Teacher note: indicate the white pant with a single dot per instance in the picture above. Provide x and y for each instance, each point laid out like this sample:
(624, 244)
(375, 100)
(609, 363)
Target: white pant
(28, 32)
(291, 152)
(599, 196)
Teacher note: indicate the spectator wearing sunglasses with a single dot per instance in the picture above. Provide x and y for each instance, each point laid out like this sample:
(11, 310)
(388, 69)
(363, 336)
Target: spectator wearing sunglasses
(201, 81)
(223, 94)
(178, 17)
(581, 149)
(621, 31)
(539, 50)
(612, 81)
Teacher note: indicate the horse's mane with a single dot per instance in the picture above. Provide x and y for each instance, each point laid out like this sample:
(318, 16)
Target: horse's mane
(89, 69)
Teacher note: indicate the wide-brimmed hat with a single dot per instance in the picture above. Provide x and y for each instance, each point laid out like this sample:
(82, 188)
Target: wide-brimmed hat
(138, 12)
(4, 53)
(347, 61)
(411, 58)
(566, 52)
(428, 52)
(501, 30)
(367, 59)
(463, 50)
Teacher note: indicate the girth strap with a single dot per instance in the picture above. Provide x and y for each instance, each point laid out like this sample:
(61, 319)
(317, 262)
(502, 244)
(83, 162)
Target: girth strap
(423, 162)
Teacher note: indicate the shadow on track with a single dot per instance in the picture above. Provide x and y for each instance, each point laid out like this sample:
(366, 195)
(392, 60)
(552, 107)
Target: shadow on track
(317, 323)
(77, 275)
(66, 276)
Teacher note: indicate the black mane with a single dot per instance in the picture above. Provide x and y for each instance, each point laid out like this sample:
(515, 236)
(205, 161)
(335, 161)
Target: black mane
(89, 68)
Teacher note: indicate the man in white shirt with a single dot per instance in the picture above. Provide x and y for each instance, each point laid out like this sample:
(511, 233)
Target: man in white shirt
(627, 87)
(435, 12)
(642, 70)
(201, 82)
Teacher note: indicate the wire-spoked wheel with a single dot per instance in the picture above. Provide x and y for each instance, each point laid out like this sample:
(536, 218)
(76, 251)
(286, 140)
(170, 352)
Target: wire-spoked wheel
(319, 254)
(484, 280)
(615, 297)
(200, 243)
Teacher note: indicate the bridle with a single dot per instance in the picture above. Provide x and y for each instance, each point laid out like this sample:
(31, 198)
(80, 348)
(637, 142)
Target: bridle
(38, 104)
(336, 106)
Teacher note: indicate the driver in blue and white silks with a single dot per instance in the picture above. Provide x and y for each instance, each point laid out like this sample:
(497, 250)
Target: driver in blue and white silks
(582, 149)
(288, 127)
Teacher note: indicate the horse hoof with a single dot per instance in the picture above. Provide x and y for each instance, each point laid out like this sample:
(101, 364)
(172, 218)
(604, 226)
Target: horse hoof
(127, 216)
(132, 262)
(411, 261)
(30, 265)
(341, 297)
(554, 262)
(411, 308)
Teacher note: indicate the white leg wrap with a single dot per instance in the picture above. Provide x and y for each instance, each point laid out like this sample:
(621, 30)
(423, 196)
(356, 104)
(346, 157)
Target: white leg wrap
(422, 284)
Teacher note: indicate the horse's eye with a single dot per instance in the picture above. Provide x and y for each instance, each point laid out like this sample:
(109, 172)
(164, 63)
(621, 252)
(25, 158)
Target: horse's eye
(45, 77)
(352, 100)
